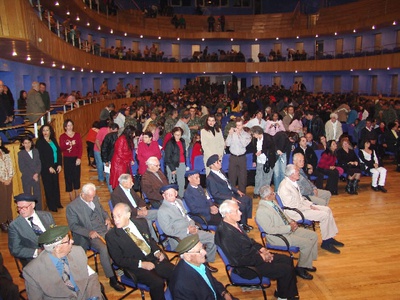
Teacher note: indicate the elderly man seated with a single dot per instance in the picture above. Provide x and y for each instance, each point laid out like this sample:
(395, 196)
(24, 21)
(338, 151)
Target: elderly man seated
(307, 188)
(132, 248)
(124, 193)
(198, 202)
(152, 180)
(241, 250)
(174, 221)
(291, 197)
(274, 221)
(61, 271)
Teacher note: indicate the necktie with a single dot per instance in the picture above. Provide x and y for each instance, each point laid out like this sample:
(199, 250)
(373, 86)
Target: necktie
(284, 219)
(66, 274)
(139, 242)
(182, 211)
(36, 228)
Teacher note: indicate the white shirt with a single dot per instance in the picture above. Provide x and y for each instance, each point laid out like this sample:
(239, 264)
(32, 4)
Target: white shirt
(129, 196)
(261, 159)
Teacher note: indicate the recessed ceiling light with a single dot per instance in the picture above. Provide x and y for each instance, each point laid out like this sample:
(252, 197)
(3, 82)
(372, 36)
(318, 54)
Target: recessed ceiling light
(28, 57)
(53, 65)
(87, 24)
(394, 23)
(113, 72)
(77, 18)
(57, 4)
(42, 62)
(141, 36)
(62, 67)
(354, 30)
(159, 37)
(277, 38)
(111, 31)
(99, 28)
(101, 71)
(127, 72)
(125, 34)
(82, 70)
(373, 27)
(73, 68)
(68, 12)
(14, 53)
(178, 39)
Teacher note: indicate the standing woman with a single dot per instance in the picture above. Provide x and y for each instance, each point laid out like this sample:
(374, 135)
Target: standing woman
(6, 189)
(295, 124)
(147, 148)
(327, 166)
(30, 167)
(175, 158)
(71, 148)
(348, 160)
(212, 140)
(122, 160)
(22, 99)
(50, 157)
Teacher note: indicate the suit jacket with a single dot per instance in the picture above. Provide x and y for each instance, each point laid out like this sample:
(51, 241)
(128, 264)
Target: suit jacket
(172, 222)
(34, 105)
(46, 154)
(151, 185)
(118, 195)
(78, 216)
(197, 201)
(270, 220)
(22, 241)
(43, 281)
(291, 197)
(187, 283)
(218, 188)
(29, 166)
(238, 247)
(124, 251)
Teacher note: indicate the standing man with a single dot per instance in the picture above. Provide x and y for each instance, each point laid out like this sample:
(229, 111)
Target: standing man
(152, 181)
(191, 279)
(274, 222)
(61, 271)
(314, 124)
(45, 95)
(34, 103)
(194, 120)
(174, 221)
(24, 231)
(124, 193)
(183, 123)
(132, 249)
(89, 223)
(220, 189)
(237, 141)
(105, 113)
(291, 197)
(243, 251)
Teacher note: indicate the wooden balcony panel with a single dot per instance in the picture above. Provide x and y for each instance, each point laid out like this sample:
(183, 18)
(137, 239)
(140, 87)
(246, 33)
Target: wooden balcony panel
(10, 20)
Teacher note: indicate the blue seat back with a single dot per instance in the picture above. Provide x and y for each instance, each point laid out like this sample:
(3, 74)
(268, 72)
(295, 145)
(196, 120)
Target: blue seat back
(225, 162)
(199, 164)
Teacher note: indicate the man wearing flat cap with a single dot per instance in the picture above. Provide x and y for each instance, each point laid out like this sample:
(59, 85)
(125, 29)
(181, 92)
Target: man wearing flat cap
(61, 270)
(24, 231)
(198, 202)
(131, 247)
(174, 221)
(191, 279)
(221, 189)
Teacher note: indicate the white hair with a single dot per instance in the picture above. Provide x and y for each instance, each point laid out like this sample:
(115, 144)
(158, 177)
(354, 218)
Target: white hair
(226, 207)
(265, 191)
(151, 160)
(290, 169)
(88, 187)
(124, 178)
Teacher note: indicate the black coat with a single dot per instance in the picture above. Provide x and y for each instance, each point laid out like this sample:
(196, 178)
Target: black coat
(172, 154)
(268, 148)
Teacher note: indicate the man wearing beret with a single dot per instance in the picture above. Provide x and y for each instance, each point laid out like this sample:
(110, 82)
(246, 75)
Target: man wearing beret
(222, 189)
(89, 223)
(61, 270)
(174, 221)
(132, 249)
(24, 231)
(198, 202)
(191, 279)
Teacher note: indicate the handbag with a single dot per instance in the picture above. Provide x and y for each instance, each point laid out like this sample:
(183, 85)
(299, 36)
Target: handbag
(266, 167)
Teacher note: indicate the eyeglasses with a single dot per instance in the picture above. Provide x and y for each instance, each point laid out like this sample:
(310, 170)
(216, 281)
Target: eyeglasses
(23, 207)
(67, 241)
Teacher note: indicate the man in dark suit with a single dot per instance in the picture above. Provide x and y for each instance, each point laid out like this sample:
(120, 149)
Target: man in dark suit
(24, 231)
(188, 279)
(152, 180)
(243, 251)
(89, 223)
(131, 247)
(198, 202)
(221, 189)
(124, 193)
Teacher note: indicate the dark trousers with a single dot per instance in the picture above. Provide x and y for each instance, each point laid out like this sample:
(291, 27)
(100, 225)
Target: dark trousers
(72, 174)
(51, 189)
(281, 269)
(237, 171)
(155, 278)
(245, 206)
(332, 181)
(320, 178)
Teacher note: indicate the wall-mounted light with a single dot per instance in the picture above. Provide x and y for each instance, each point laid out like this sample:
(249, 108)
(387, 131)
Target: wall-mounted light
(160, 73)
(394, 23)
(113, 72)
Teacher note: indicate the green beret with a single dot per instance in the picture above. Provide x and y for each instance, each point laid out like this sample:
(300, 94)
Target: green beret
(53, 235)
(187, 243)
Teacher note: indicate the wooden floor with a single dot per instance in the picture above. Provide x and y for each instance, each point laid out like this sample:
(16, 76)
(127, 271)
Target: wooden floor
(367, 268)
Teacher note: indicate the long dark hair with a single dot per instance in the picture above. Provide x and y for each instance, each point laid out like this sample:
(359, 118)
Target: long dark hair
(216, 126)
(129, 133)
(328, 148)
(52, 134)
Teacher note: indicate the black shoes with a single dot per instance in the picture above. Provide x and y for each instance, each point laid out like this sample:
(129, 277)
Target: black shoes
(210, 268)
(335, 242)
(326, 245)
(382, 189)
(4, 227)
(116, 286)
(375, 188)
(302, 272)
(256, 196)
(312, 269)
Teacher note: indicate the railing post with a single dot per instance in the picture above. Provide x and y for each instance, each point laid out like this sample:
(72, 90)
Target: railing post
(48, 117)
(65, 108)
(35, 130)
(40, 10)
(58, 28)
(42, 120)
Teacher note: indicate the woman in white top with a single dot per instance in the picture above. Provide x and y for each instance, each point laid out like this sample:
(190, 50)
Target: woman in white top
(373, 165)
(296, 125)
(333, 128)
(275, 125)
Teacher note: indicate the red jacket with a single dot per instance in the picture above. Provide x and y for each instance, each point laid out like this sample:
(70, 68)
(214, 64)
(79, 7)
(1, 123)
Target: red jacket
(121, 160)
(144, 151)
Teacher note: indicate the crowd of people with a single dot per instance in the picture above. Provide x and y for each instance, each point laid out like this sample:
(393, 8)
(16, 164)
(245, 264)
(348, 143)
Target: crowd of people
(149, 146)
